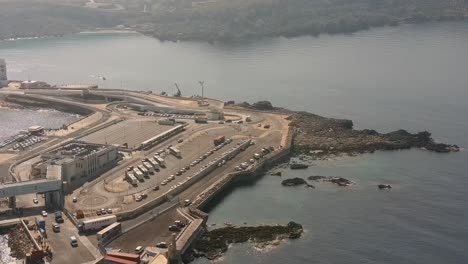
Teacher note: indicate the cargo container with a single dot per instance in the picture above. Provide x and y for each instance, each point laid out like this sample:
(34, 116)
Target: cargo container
(219, 140)
(127, 256)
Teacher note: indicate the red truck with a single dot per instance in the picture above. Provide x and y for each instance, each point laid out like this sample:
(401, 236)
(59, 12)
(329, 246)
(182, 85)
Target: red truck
(219, 140)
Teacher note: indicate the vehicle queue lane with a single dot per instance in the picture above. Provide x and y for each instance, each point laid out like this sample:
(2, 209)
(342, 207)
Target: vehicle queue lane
(192, 148)
(141, 234)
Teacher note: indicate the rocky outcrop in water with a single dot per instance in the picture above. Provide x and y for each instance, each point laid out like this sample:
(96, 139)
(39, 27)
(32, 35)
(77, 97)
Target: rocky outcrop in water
(322, 136)
(316, 178)
(296, 182)
(340, 181)
(214, 243)
(384, 186)
(277, 173)
(298, 166)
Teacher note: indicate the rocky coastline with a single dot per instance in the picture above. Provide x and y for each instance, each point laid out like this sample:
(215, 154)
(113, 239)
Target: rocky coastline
(214, 243)
(320, 136)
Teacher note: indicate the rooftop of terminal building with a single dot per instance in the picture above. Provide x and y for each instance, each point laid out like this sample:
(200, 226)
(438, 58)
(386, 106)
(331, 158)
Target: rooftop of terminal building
(78, 149)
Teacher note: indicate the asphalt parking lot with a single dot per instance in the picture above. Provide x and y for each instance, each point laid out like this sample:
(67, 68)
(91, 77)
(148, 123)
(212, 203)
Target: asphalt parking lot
(132, 132)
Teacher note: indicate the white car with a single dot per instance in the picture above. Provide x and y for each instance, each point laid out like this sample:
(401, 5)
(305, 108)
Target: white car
(44, 213)
(35, 200)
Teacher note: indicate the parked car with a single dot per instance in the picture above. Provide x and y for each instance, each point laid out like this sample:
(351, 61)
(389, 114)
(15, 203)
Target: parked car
(73, 241)
(161, 245)
(75, 199)
(44, 213)
(179, 223)
(174, 228)
(55, 227)
(35, 200)
(139, 249)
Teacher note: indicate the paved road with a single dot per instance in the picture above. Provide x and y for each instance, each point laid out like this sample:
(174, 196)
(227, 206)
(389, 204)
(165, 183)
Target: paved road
(62, 250)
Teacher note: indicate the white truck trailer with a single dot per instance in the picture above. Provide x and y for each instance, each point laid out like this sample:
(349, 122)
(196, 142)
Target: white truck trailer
(98, 223)
(131, 179)
(154, 163)
(175, 151)
(148, 166)
(138, 174)
(144, 171)
(160, 160)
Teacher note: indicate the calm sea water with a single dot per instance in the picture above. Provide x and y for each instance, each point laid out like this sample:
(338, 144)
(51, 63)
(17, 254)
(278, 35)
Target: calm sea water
(413, 77)
(12, 120)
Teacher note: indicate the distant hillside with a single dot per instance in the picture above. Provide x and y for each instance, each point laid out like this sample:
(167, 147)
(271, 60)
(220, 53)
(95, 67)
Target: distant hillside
(227, 19)
(209, 20)
(33, 18)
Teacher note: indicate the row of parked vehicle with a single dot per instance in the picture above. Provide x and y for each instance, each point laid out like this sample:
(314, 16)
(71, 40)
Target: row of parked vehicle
(256, 156)
(197, 161)
(26, 143)
(166, 115)
(104, 211)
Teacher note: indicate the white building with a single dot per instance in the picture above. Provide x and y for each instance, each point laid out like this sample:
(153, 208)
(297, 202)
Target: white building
(77, 162)
(3, 73)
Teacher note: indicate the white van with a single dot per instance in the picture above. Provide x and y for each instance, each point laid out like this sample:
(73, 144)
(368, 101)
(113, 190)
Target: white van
(139, 249)
(73, 241)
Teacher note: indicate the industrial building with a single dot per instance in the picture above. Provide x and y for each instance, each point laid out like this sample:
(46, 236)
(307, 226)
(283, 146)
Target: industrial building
(3, 73)
(215, 114)
(76, 163)
(34, 85)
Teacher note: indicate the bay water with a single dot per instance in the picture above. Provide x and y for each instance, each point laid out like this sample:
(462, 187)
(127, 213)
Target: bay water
(413, 77)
